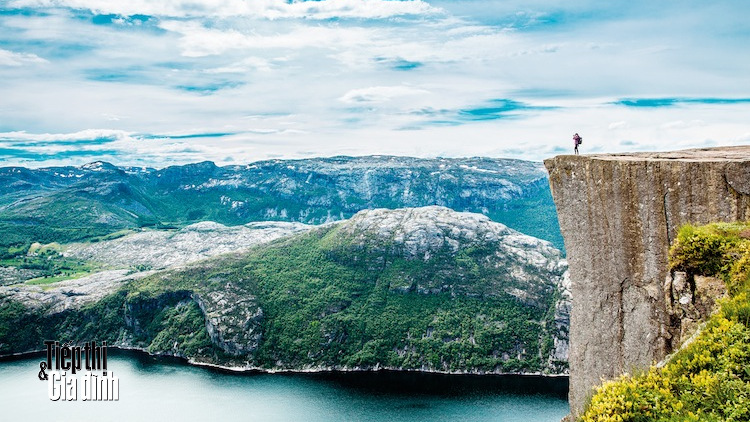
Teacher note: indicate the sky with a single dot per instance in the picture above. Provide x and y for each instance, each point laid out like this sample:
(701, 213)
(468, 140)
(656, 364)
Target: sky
(159, 83)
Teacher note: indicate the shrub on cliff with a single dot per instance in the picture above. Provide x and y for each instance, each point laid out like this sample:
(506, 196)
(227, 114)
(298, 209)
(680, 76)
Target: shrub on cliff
(709, 379)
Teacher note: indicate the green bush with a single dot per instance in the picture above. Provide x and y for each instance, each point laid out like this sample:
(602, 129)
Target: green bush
(700, 250)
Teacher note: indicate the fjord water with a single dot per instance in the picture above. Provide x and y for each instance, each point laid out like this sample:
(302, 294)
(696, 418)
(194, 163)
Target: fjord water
(165, 389)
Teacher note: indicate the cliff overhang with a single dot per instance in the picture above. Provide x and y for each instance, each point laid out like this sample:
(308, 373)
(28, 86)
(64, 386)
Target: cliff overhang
(618, 214)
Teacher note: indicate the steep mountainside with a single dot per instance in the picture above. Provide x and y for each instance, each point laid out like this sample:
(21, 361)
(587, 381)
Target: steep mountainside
(619, 214)
(66, 204)
(426, 288)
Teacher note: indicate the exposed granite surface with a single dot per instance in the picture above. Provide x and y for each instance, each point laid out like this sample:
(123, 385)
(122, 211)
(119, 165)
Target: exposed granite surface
(618, 214)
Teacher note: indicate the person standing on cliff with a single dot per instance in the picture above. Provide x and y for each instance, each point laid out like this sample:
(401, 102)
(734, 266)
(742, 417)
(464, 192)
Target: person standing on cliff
(577, 140)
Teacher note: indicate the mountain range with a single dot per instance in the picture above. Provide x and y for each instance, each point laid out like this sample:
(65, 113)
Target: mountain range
(339, 263)
(64, 204)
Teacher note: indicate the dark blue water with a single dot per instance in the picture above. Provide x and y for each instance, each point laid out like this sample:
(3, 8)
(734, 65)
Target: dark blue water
(162, 389)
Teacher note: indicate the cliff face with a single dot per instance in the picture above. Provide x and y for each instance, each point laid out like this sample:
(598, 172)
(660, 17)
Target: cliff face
(618, 214)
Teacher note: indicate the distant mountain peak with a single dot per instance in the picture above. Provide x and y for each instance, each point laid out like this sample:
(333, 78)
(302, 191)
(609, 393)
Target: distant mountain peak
(99, 166)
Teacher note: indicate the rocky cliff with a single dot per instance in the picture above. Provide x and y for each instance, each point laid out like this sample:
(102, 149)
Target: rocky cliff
(618, 214)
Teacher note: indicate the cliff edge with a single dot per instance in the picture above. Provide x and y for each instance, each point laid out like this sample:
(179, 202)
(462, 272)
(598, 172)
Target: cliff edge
(618, 214)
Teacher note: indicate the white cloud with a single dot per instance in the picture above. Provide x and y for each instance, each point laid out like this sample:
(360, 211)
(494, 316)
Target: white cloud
(379, 94)
(248, 64)
(282, 80)
(87, 134)
(268, 9)
(10, 58)
(113, 117)
(681, 124)
(199, 41)
(618, 125)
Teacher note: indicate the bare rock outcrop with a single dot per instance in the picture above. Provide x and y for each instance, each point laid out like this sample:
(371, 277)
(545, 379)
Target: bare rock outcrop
(158, 249)
(233, 319)
(532, 266)
(618, 214)
(70, 294)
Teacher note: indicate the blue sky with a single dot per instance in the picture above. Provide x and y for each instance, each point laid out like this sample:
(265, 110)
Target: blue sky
(141, 82)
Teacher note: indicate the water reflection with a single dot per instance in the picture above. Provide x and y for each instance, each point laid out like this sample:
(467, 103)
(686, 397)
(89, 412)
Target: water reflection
(165, 388)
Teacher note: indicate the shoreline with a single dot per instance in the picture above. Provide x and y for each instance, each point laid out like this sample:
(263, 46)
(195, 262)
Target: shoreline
(305, 371)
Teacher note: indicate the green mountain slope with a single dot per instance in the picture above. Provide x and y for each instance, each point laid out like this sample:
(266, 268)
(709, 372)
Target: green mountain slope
(425, 288)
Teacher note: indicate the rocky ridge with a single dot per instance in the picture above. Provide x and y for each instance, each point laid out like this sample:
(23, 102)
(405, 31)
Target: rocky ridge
(422, 233)
(101, 198)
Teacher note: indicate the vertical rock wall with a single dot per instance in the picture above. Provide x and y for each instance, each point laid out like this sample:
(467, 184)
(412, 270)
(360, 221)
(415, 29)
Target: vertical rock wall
(618, 215)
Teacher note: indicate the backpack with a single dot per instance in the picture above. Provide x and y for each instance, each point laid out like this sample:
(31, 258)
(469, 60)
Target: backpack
(580, 140)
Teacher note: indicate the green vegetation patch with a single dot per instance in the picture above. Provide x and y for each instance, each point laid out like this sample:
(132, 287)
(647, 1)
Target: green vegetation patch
(168, 324)
(709, 379)
(329, 303)
(180, 330)
(47, 280)
(328, 300)
(46, 260)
